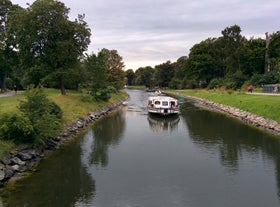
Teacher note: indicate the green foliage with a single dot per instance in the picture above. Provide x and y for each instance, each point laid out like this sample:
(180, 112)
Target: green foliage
(175, 83)
(44, 115)
(191, 84)
(267, 78)
(144, 76)
(113, 64)
(17, 128)
(86, 98)
(215, 83)
(104, 94)
(163, 74)
(5, 148)
(130, 76)
(48, 40)
(235, 81)
(40, 45)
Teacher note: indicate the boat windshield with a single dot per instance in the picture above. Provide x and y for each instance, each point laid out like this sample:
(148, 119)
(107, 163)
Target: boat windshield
(165, 103)
(157, 102)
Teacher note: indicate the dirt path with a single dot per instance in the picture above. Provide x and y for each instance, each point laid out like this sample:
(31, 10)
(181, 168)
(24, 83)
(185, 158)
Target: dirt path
(10, 93)
(264, 94)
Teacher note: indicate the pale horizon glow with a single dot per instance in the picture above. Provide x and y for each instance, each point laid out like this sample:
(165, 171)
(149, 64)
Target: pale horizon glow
(148, 33)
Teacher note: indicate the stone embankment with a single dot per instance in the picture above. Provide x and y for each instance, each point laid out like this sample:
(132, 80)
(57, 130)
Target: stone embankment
(245, 116)
(16, 163)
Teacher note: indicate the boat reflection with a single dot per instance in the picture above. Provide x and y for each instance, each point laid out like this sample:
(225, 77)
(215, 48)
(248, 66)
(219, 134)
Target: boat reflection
(161, 124)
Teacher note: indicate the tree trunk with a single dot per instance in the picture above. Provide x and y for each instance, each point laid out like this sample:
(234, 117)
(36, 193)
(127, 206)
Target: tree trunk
(62, 87)
(3, 81)
(267, 65)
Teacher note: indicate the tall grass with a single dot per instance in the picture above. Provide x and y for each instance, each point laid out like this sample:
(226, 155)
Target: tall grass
(5, 147)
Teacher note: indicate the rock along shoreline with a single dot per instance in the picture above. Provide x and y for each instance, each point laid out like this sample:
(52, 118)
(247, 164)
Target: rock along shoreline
(14, 165)
(247, 117)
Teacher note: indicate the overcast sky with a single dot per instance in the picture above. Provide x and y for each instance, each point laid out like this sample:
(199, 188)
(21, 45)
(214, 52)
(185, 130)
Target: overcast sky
(151, 32)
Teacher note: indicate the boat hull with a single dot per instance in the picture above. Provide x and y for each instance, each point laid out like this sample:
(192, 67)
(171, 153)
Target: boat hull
(163, 111)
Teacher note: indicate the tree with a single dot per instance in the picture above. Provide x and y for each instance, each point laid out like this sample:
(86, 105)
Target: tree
(96, 72)
(163, 74)
(274, 51)
(50, 42)
(130, 75)
(234, 45)
(8, 56)
(254, 57)
(202, 62)
(144, 76)
(114, 66)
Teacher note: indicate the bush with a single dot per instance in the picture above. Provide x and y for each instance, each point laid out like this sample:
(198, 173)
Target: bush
(215, 83)
(235, 81)
(16, 127)
(44, 115)
(267, 78)
(175, 83)
(191, 84)
(86, 98)
(54, 109)
(104, 94)
(5, 148)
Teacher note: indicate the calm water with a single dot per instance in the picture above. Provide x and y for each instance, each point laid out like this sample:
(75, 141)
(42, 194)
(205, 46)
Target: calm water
(199, 159)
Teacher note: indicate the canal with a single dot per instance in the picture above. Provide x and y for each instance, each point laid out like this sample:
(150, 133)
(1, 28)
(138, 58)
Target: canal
(199, 159)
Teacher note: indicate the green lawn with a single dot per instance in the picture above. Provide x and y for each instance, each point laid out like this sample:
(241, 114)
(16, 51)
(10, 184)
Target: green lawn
(263, 105)
(72, 105)
(9, 104)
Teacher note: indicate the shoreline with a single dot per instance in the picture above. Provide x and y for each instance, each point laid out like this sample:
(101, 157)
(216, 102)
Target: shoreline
(246, 117)
(15, 164)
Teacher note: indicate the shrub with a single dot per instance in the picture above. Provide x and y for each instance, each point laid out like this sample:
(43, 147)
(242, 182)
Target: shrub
(45, 116)
(191, 84)
(55, 110)
(267, 78)
(104, 94)
(235, 81)
(86, 98)
(16, 127)
(175, 83)
(215, 83)
(5, 148)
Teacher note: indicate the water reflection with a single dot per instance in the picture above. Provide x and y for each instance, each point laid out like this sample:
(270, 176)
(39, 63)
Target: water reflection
(160, 124)
(234, 141)
(207, 160)
(61, 180)
(109, 133)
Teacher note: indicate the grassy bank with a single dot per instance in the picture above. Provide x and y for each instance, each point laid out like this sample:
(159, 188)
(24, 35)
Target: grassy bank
(263, 105)
(74, 105)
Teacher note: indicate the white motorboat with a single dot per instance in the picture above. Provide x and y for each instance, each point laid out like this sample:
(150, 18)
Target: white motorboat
(163, 105)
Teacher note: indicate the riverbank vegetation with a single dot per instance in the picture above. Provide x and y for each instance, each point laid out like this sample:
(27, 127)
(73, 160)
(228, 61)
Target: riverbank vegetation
(230, 61)
(24, 116)
(263, 105)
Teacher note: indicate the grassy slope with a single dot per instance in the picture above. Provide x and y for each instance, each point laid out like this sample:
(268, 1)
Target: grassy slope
(263, 105)
(72, 106)
(9, 104)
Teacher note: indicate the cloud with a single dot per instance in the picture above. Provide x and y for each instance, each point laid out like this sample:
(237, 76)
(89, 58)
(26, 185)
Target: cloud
(149, 32)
